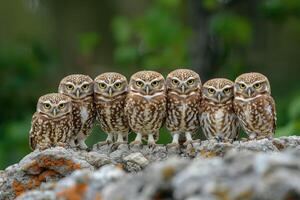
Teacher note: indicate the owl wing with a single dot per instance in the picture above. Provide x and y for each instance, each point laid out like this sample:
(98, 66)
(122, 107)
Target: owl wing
(272, 111)
(34, 131)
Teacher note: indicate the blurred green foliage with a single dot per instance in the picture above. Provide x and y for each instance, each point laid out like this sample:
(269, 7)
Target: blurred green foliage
(42, 41)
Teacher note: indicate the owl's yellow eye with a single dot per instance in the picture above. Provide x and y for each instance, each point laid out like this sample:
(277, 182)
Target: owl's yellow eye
(242, 86)
(47, 106)
(211, 91)
(70, 87)
(257, 85)
(85, 86)
(155, 83)
(175, 82)
(61, 106)
(118, 85)
(102, 85)
(139, 83)
(226, 90)
(191, 82)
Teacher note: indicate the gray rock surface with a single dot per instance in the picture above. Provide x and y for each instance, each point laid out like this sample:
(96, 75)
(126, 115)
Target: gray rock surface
(263, 169)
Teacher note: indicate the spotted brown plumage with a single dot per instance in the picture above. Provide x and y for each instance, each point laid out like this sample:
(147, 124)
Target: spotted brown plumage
(254, 105)
(183, 104)
(146, 105)
(52, 123)
(110, 90)
(80, 88)
(218, 119)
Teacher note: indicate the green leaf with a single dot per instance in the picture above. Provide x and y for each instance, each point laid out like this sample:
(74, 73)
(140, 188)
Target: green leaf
(232, 29)
(121, 29)
(294, 109)
(126, 54)
(88, 42)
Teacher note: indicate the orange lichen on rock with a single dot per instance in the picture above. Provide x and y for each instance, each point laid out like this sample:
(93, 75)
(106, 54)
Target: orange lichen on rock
(208, 154)
(98, 197)
(48, 161)
(34, 182)
(75, 192)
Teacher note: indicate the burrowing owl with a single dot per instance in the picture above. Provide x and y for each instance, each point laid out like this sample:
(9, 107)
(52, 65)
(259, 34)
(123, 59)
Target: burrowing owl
(218, 119)
(52, 123)
(80, 88)
(254, 105)
(110, 91)
(183, 103)
(146, 105)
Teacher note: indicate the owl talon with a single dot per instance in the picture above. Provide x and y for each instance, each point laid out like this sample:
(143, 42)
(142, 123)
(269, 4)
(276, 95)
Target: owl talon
(219, 139)
(117, 144)
(151, 145)
(188, 142)
(136, 143)
(173, 146)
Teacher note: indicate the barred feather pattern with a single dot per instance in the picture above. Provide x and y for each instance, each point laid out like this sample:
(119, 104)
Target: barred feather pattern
(257, 115)
(47, 132)
(219, 120)
(146, 115)
(183, 113)
(83, 116)
(111, 114)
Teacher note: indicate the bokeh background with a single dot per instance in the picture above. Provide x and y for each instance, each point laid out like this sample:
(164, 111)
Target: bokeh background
(41, 41)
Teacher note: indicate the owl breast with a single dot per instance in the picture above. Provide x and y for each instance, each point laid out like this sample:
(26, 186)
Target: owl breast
(83, 116)
(183, 113)
(145, 115)
(257, 115)
(219, 120)
(48, 132)
(111, 115)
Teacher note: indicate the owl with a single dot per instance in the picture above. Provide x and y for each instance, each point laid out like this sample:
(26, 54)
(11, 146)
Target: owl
(52, 123)
(183, 105)
(218, 119)
(146, 106)
(110, 91)
(254, 105)
(80, 88)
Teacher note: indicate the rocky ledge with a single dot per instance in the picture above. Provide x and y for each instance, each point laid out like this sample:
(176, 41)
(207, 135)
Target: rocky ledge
(262, 169)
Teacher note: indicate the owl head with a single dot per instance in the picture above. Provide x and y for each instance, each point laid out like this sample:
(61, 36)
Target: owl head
(77, 86)
(183, 81)
(147, 82)
(110, 84)
(218, 90)
(54, 105)
(250, 85)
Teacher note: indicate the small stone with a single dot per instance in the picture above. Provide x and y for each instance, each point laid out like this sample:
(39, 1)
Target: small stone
(137, 158)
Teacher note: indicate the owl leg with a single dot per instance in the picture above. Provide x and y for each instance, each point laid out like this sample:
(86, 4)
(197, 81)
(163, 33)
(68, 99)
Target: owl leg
(82, 144)
(189, 139)
(72, 143)
(108, 140)
(120, 140)
(151, 141)
(138, 140)
(175, 141)
(252, 136)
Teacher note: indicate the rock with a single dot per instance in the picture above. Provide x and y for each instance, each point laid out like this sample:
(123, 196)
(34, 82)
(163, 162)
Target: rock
(39, 167)
(82, 184)
(136, 158)
(258, 169)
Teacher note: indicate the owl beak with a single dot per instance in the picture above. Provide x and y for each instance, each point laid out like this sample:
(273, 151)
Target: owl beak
(77, 93)
(110, 91)
(147, 89)
(249, 92)
(219, 95)
(183, 88)
(54, 112)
